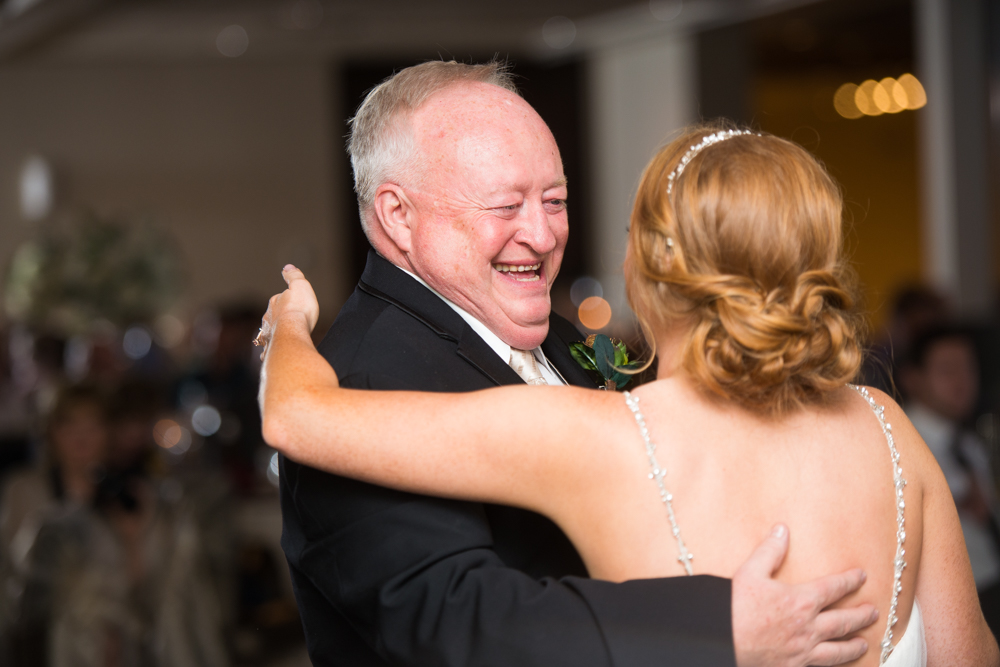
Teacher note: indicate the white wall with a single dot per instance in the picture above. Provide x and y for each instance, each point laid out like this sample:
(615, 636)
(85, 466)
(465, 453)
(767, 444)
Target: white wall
(235, 158)
(639, 94)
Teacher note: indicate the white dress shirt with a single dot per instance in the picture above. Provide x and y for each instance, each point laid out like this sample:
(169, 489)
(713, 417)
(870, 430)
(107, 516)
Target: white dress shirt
(502, 349)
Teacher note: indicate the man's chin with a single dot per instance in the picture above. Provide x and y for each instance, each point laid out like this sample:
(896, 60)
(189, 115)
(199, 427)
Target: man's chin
(523, 325)
(525, 337)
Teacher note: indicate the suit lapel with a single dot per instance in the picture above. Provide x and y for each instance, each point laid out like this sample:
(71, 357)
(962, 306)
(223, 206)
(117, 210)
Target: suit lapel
(474, 349)
(557, 352)
(386, 281)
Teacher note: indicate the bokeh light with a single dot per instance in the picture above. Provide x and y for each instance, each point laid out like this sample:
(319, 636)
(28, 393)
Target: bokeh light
(559, 32)
(136, 342)
(171, 436)
(893, 94)
(206, 420)
(232, 41)
(843, 101)
(916, 97)
(37, 188)
(594, 313)
(864, 98)
(874, 98)
(583, 288)
(881, 98)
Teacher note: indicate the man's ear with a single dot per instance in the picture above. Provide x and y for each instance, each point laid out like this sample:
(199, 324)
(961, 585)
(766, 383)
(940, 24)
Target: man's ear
(395, 214)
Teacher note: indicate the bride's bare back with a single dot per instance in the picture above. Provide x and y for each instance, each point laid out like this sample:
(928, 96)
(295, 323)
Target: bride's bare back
(576, 456)
(825, 471)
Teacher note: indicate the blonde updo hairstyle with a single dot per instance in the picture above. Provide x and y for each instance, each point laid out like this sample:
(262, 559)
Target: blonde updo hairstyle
(747, 251)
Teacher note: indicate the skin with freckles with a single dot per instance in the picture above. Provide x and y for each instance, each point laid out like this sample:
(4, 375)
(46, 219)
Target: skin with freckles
(488, 193)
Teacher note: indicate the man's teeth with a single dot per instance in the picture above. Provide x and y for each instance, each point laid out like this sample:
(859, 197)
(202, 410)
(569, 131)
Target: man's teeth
(513, 268)
(503, 268)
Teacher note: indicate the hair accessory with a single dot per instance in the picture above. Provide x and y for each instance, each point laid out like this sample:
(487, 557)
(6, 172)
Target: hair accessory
(699, 147)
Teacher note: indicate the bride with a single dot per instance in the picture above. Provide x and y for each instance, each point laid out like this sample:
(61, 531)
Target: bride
(735, 269)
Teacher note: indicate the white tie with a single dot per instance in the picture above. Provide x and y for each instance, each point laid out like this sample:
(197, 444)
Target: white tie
(523, 363)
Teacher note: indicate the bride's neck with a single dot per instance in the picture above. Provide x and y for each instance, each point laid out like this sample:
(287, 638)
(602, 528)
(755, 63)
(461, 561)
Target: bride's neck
(670, 342)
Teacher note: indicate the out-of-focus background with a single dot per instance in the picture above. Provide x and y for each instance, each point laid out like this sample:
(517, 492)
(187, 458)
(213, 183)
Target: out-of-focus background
(160, 160)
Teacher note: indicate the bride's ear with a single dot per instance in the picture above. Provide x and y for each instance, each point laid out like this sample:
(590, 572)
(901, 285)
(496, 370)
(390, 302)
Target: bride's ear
(395, 214)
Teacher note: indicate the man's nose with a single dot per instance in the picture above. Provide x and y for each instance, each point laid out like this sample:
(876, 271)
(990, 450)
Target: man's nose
(536, 229)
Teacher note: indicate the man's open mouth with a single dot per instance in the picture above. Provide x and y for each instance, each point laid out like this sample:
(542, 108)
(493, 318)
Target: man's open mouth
(523, 273)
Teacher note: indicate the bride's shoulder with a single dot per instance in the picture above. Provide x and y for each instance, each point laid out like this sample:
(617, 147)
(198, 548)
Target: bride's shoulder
(913, 451)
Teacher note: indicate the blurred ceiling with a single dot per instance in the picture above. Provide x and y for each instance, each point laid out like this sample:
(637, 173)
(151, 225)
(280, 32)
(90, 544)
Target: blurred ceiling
(171, 30)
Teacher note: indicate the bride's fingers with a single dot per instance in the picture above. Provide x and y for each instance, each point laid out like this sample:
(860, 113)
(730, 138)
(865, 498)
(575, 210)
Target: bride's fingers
(300, 294)
(290, 273)
(837, 653)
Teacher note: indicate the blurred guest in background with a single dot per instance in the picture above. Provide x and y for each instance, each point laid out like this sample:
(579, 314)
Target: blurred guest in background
(111, 562)
(76, 446)
(225, 380)
(59, 491)
(941, 381)
(914, 309)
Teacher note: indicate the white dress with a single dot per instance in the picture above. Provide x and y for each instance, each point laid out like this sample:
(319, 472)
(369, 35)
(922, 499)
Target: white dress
(911, 649)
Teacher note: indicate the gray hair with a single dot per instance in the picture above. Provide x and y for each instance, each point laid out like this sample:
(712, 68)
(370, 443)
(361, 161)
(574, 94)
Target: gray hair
(379, 145)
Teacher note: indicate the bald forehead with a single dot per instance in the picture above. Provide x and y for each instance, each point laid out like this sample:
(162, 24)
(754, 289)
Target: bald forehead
(470, 108)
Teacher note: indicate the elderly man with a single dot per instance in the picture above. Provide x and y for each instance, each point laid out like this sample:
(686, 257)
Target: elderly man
(462, 195)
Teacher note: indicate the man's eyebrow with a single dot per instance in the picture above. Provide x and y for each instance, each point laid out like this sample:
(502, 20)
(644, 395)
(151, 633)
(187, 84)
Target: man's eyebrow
(560, 183)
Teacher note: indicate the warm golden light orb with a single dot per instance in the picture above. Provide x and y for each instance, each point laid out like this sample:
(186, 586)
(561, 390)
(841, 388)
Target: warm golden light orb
(843, 101)
(594, 313)
(874, 98)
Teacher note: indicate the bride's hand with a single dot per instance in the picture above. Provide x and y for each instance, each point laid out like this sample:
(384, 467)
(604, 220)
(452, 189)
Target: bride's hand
(298, 301)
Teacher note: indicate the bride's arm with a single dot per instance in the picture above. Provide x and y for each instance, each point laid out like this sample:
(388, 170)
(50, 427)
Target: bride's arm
(956, 631)
(498, 445)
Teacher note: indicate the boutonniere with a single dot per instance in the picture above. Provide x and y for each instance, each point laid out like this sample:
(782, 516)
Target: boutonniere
(605, 356)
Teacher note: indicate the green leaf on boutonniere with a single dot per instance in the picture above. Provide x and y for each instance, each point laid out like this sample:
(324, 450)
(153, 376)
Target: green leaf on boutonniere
(584, 356)
(605, 357)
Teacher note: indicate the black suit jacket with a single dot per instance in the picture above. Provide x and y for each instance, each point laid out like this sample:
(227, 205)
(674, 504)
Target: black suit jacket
(383, 577)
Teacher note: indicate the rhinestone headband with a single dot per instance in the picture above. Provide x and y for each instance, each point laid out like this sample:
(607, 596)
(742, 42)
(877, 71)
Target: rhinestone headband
(699, 147)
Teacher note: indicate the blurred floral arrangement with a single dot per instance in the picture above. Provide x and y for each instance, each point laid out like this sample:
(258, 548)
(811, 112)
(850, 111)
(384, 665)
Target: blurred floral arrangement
(84, 271)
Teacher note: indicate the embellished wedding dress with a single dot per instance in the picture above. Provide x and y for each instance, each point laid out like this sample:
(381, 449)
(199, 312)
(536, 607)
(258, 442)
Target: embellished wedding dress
(911, 649)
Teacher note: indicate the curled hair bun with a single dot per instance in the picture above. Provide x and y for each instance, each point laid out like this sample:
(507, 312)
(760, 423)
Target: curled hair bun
(778, 348)
(746, 250)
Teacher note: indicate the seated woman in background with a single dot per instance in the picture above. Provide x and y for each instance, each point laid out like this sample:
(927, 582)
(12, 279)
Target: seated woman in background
(76, 443)
(735, 269)
(51, 499)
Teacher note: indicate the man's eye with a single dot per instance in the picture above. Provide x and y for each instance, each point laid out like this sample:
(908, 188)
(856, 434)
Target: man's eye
(557, 203)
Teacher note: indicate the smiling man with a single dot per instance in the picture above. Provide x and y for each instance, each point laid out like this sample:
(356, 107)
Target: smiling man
(462, 195)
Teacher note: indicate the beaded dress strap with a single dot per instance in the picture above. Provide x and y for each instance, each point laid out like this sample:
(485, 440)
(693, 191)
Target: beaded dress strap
(657, 473)
(898, 483)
